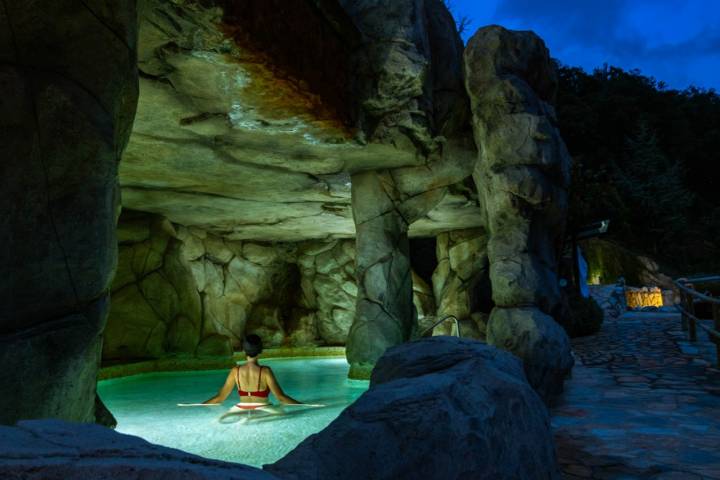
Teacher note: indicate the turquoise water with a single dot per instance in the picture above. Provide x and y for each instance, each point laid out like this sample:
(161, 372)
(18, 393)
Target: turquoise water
(146, 406)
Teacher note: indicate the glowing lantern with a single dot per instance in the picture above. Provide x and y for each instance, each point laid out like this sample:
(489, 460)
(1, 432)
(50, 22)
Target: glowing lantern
(644, 297)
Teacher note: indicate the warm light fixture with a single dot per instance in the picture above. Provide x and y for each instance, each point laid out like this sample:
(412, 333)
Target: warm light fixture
(644, 297)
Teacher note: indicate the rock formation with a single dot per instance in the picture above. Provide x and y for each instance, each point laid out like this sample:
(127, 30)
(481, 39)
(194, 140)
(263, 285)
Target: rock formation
(397, 79)
(436, 408)
(461, 282)
(262, 139)
(184, 291)
(380, 156)
(273, 177)
(205, 114)
(52, 449)
(522, 174)
(329, 291)
(384, 98)
(385, 314)
(69, 81)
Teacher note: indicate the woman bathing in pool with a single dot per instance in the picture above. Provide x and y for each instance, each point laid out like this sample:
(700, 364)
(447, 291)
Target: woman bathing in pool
(254, 381)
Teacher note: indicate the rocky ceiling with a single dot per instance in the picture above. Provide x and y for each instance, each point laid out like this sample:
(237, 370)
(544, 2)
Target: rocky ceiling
(243, 137)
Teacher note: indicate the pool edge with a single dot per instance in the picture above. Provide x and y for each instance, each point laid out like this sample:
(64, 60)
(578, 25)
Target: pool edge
(178, 364)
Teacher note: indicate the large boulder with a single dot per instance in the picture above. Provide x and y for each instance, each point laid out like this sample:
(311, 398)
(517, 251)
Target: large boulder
(56, 450)
(69, 81)
(440, 407)
(539, 341)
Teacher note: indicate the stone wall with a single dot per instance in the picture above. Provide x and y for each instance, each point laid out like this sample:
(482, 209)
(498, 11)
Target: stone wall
(461, 282)
(329, 291)
(185, 291)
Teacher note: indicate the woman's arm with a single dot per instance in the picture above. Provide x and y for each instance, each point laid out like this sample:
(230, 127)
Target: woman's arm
(277, 390)
(225, 389)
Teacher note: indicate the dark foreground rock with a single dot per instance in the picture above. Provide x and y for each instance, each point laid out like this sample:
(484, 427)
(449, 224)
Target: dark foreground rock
(69, 80)
(539, 341)
(440, 407)
(57, 450)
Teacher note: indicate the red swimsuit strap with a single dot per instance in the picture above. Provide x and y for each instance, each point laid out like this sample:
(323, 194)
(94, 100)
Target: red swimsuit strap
(263, 393)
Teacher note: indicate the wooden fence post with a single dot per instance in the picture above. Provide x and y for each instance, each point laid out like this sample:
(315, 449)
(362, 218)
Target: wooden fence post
(691, 318)
(716, 327)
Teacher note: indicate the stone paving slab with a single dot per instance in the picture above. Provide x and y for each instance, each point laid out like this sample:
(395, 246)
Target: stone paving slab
(638, 407)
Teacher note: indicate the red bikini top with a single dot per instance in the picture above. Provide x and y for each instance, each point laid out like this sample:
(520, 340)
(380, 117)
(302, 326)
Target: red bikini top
(258, 392)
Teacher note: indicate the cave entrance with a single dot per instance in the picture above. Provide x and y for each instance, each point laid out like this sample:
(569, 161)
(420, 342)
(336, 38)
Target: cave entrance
(480, 297)
(423, 259)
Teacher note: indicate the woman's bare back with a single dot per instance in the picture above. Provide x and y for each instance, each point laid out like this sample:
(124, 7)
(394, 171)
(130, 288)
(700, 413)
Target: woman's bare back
(251, 378)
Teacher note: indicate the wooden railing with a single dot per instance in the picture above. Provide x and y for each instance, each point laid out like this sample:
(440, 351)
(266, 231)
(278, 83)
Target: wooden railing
(689, 296)
(438, 322)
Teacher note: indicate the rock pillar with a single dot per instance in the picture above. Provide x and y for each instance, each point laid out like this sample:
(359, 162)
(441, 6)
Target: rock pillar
(69, 82)
(384, 314)
(522, 174)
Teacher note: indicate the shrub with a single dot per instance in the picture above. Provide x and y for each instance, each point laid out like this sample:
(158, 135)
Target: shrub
(585, 316)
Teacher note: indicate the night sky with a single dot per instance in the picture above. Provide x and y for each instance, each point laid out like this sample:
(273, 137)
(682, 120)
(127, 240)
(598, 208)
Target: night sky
(677, 41)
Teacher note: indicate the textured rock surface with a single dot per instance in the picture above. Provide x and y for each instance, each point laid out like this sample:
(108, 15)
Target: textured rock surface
(69, 82)
(409, 52)
(55, 450)
(328, 292)
(539, 340)
(155, 305)
(385, 314)
(522, 175)
(461, 283)
(247, 164)
(424, 302)
(436, 408)
(246, 137)
(523, 168)
(184, 291)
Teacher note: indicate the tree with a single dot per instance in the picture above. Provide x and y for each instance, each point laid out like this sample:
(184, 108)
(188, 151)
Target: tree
(645, 156)
(655, 187)
(462, 22)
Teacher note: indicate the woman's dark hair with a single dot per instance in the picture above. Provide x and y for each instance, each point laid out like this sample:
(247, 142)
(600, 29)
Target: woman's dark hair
(252, 345)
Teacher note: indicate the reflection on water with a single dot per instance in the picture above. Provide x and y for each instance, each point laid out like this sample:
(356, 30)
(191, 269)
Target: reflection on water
(146, 406)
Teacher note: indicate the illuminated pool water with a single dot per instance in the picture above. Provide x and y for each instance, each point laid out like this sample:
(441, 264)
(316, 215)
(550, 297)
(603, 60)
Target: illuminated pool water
(145, 405)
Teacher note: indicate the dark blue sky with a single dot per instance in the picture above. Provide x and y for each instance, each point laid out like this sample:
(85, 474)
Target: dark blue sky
(677, 41)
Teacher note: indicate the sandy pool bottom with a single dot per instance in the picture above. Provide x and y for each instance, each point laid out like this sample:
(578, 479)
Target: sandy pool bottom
(146, 406)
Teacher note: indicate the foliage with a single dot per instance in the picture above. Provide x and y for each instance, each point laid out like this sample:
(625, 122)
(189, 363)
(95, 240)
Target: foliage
(462, 22)
(644, 156)
(586, 316)
(607, 261)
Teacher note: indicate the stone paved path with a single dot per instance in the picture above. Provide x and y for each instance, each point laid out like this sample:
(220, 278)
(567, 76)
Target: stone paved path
(638, 407)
